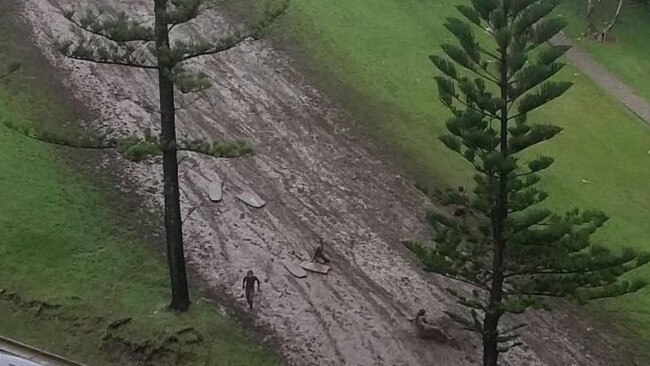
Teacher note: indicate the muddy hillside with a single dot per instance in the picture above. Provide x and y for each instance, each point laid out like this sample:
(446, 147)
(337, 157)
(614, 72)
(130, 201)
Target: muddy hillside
(318, 180)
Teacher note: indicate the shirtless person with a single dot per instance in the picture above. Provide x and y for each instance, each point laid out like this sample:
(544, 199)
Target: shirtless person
(249, 285)
(319, 255)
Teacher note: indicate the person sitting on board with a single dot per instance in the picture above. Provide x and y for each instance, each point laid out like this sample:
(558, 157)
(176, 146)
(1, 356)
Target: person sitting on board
(461, 209)
(426, 330)
(249, 285)
(319, 256)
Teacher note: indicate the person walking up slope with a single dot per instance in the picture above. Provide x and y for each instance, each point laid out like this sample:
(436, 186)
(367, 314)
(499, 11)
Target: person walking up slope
(249, 285)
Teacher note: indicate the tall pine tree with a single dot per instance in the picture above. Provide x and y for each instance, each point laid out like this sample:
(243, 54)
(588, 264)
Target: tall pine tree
(117, 38)
(512, 252)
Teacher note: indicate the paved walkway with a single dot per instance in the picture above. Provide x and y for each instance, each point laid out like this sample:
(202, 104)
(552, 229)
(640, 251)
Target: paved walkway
(11, 360)
(19, 354)
(605, 79)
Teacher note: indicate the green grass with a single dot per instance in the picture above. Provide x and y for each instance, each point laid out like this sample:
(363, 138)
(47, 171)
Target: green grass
(60, 244)
(72, 254)
(371, 55)
(629, 55)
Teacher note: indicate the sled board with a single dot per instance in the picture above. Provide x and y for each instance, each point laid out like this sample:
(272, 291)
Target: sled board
(315, 267)
(215, 193)
(295, 269)
(251, 199)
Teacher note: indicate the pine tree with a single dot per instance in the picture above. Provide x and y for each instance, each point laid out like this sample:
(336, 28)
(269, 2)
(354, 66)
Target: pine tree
(118, 38)
(513, 253)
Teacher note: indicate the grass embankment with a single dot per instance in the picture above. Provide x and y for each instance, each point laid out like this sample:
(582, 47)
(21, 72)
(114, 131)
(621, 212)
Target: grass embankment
(628, 55)
(372, 56)
(76, 277)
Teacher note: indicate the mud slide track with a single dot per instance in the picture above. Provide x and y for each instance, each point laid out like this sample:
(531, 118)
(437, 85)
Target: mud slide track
(318, 180)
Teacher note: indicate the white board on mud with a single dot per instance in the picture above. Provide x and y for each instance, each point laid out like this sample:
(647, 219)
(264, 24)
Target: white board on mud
(215, 192)
(251, 199)
(295, 269)
(315, 267)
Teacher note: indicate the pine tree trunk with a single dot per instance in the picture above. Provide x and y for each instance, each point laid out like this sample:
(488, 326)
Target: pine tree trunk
(490, 351)
(173, 226)
(499, 214)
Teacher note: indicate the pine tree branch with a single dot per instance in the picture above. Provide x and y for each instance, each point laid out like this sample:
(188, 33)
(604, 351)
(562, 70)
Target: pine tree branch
(477, 284)
(488, 53)
(469, 106)
(559, 272)
(113, 62)
(506, 348)
(523, 174)
(59, 141)
(118, 28)
(511, 329)
(533, 293)
(225, 149)
(219, 46)
(225, 44)
(101, 32)
(487, 76)
(110, 54)
(185, 105)
(182, 14)
(235, 152)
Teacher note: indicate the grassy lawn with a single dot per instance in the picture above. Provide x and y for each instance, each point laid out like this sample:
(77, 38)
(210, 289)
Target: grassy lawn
(629, 55)
(60, 245)
(76, 276)
(372, 56)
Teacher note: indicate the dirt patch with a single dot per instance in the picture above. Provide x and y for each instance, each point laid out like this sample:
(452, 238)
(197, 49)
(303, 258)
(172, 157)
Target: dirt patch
(319, 180)
(170, 348)
(113, 337)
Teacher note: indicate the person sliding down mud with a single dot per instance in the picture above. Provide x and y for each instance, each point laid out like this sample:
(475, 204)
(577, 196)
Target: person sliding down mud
(426, 330)
(319, 256)
(461, 209)
(249, 285)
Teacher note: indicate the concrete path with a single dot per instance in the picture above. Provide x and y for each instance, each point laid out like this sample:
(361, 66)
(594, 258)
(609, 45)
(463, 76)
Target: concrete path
(10, 360)
(605, 79)
(13, 353)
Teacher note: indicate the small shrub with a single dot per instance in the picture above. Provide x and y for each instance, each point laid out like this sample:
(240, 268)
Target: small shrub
(230, 149)
(138, 149)
(218, 149)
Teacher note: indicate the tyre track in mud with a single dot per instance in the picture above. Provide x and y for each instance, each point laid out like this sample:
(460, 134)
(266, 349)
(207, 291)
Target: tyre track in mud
(317, 179)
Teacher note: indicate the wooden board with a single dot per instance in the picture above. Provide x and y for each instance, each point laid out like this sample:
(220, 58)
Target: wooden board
(215, 192)
(295, 269)
(315, 267)
(251, 199)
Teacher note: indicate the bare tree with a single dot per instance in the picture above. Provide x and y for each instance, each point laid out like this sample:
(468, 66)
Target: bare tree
(593, 31)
